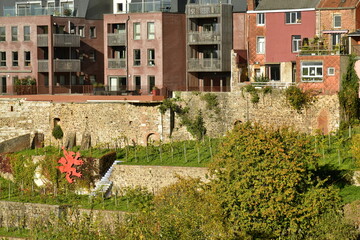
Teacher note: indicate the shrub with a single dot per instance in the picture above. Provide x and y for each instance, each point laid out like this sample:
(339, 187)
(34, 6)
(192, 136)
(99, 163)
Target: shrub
(57, 132)
(298, 99)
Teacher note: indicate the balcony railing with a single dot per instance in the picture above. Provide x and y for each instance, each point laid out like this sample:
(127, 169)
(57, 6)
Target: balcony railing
(334, 50)
(273, 84)
(154, 6)
(205, 2)
(39, 11)
(42, 40)
(114, 63)
(43, 65)
(66, 40)
(205, 64)
(116, 39)
(204, 37)
(67, 65)
(202, 10)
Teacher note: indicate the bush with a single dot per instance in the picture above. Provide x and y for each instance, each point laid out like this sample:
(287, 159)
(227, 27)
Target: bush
(298, 99)
(57, 132)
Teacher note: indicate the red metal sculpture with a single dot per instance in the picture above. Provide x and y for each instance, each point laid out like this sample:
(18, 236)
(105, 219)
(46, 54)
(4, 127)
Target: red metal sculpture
(67, 164)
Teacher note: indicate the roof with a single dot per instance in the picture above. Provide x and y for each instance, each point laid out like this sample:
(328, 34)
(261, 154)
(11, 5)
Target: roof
(337, 3)
(239, 5)
(286, 4)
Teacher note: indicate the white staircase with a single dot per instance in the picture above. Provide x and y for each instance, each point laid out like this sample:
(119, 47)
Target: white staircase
(104, 185)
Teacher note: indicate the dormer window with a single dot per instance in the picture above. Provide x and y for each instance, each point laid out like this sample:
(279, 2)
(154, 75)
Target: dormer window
(293, 17)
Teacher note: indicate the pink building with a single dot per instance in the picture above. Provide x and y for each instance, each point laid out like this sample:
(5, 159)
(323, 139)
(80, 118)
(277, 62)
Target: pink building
(144, 51)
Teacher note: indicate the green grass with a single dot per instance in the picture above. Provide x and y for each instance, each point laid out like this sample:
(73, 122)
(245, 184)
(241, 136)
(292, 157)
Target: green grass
(184, 153)
(14, 232)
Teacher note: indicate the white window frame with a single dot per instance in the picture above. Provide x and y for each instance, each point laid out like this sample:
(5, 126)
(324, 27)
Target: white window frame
(296, 43)
(260, 19)
(151, 57)
(331, 71)
(150, 30)
(260, 45)
(137, 31)
(310, 71)
(294, 17)
(335, 22)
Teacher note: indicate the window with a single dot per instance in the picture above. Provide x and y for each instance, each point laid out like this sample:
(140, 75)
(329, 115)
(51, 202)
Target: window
(293, 17)
(136, 31)
(260, 45)
(15, 59)
(27, 58)
(2, 34)
(137, 82)
(26, 33)
(331, 71)
(260, 19)
(14, 33)
(337, 21)
(92, 32)
(296, 43)
(92, 56)
(2, 59)
(151, 81)
(151, 30)
(137, 57)
(119, 7)
(336, 39)
(92, 78)
(81, 31)
(311, 71)
(151, 57)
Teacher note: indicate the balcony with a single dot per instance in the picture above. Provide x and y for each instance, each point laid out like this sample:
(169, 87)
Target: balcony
(204, 37)
(203, 10)
(66, 40)
(43, 65)
(114, 63)
(31, 10)
(153, 6)
(67, 65)
(204, 65)
(116, 39)
(42, 40)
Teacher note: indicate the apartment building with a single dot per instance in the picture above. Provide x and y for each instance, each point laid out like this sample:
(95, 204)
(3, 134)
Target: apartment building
(276, 30)
(145, 47)
(57, 43)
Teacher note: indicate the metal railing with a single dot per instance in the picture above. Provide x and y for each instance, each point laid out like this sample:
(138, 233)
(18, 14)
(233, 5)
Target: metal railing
(204, 37)
(67, 65)
(115, 63)
(66, 40)
(116, 39)
(154, 6)
(335, 50)
(39, 11)
(205, 64)
(204, 2)
(203, 10)
(43, 65)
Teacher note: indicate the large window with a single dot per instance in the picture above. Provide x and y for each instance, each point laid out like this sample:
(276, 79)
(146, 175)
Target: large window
(92, 32)
(27, 58)
(14, 33)
(136, 31)
(260, 45)
(26, 33)
(137, 82)
(2, 59)
(2, 34)
(151, 57)
(137, 57)
(293, 17)
(311, 71)
(15, 59)
(260, 19)
(337, 21)
(151, 82)
(151, 30)
(296, 43)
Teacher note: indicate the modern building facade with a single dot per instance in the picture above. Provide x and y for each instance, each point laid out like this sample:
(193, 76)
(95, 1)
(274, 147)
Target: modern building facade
(58, 44)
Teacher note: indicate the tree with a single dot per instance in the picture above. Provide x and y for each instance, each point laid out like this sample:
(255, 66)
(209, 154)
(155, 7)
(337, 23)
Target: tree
(263, 180)
(349, 95)
(57, 133)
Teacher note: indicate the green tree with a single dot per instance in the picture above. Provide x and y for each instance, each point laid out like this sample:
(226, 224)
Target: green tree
(263, 180)
(57, 132)
(349, 95)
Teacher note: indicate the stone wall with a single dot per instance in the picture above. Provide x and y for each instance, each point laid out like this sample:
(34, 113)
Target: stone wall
(17, 214)
(152, 177)
(15, 144)
(109, 122)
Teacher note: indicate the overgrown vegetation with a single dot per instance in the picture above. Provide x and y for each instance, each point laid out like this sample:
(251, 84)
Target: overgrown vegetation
(349, 96)
(299, 99)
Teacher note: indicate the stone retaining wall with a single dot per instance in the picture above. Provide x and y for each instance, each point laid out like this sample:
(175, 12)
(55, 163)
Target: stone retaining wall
(152, 177)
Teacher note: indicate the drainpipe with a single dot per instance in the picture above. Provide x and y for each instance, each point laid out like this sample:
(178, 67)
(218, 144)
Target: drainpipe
(127, 48)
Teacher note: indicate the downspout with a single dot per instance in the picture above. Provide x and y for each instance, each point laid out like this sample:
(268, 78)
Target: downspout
(127, 48)
(247, 47)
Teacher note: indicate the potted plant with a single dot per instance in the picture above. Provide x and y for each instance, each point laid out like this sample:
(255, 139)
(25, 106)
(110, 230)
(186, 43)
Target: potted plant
(155, 91)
